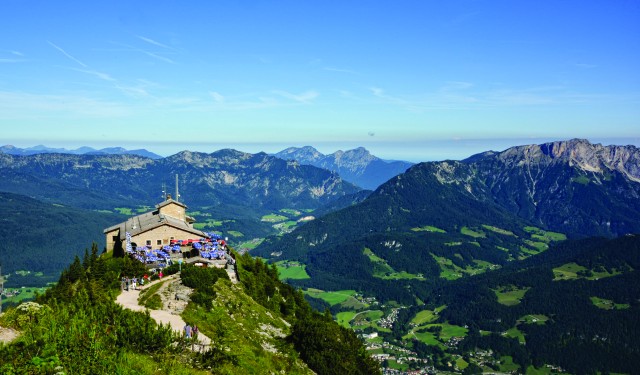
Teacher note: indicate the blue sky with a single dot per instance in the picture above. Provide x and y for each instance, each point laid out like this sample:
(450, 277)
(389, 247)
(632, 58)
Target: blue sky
(413, 80)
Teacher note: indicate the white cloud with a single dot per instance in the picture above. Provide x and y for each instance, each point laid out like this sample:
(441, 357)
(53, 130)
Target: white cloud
(304, 97)
(66, 54)
(217, 97)
(102, 76)
(151, 41)
(377, 91)
(129, 48)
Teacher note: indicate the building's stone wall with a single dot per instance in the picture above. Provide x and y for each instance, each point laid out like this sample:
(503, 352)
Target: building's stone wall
(174, 210)
(164, 234)
(110, 238)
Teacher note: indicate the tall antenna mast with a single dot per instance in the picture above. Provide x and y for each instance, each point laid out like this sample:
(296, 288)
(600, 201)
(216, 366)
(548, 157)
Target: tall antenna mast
(177, 196)
(164, 191)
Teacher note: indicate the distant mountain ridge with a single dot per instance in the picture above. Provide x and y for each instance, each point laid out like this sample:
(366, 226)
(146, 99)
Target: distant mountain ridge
(357, 166)
(41, 149)
(222, 177)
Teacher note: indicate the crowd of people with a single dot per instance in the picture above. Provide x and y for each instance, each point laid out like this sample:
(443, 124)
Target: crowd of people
(132, 283)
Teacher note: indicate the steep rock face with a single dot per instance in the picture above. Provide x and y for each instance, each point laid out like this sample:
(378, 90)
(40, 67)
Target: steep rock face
(577, 153)
(570, 186)
(357, 166)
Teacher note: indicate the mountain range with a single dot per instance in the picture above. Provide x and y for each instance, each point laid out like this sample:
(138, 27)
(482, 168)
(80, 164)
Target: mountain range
(357, 166)
(41, 149)
(227, 190)
(502, 204)
(478, 246)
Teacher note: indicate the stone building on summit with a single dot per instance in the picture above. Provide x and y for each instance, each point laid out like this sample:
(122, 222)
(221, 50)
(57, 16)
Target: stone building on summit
(169, 221)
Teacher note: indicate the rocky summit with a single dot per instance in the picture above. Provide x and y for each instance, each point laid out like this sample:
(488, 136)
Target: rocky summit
(357, 166)
(571, 186)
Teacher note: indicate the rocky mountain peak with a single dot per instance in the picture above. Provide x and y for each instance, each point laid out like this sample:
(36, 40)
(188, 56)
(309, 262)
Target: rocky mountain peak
(304, 155)
(353, 160)
(578, 153)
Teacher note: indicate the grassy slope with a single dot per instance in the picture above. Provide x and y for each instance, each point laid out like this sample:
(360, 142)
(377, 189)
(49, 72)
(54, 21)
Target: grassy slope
(247, 332)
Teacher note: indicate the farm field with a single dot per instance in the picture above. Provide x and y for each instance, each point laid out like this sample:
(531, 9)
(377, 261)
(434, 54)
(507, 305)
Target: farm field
(607, 304)
(498, 230)
(450, 271)
(472, 233)
(368, 318)
(344, 318)
(332, 298)
(437, 333)
(291, 270)
(510, 296)
(273, 218)
(428, 228)
(534, 319)
(427, 316)
(384, 271)
(249, 245)
(543, 235)
(515, 333)
(572, 271)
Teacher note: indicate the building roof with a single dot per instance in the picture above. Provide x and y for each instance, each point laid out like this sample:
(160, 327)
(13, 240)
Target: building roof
(168, 201)
(151, 220)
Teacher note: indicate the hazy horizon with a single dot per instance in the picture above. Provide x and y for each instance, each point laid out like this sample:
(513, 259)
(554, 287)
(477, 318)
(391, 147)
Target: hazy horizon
(446, 149)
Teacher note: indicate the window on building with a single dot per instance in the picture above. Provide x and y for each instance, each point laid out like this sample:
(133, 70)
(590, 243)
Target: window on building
(148, 242)
(158, 242)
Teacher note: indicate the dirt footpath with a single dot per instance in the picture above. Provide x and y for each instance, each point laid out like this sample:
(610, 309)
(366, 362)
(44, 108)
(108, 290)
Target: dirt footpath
(8, 334)
(171, 307)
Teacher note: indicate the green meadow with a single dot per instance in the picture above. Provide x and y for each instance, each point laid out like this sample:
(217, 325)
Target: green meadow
(472, 233)
(292, 270)
(607, 304)
(332, 298)
(510, 296)
(273, 218)
(429, 228)
(498, 230)
(573, 271)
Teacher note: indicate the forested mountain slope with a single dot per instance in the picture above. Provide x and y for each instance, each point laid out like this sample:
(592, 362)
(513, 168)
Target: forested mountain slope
(433, 221)
(45, 237)
(257, 326)
(576, 305)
